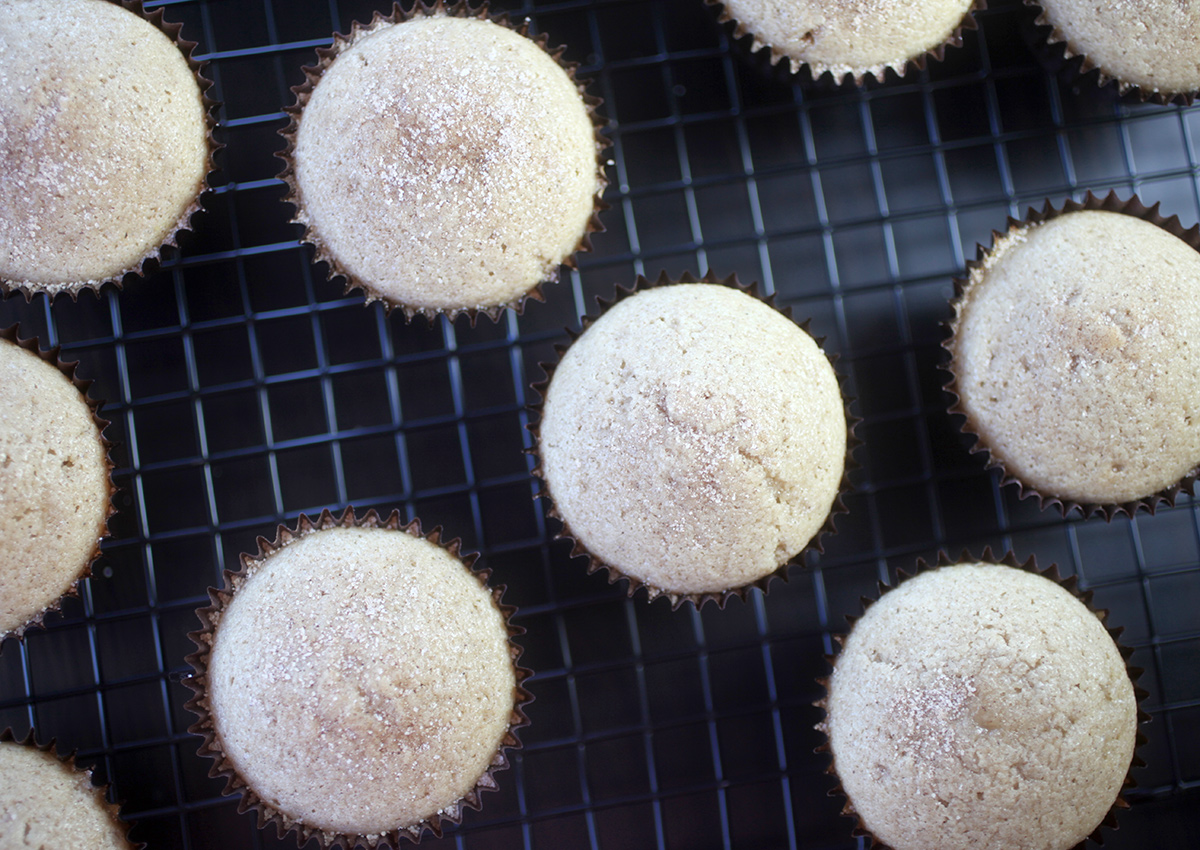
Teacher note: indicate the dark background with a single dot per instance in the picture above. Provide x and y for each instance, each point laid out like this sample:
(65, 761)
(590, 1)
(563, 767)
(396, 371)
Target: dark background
(244, 389)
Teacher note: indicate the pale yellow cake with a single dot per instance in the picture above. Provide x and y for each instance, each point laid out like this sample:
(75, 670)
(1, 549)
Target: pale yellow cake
(44, 803)
(360, 681)
(1075, 356)
(1151, 44)
(979, 705)
(103, 143)
(693, 438)
(54, 490)
(852, 38)
(445, 164)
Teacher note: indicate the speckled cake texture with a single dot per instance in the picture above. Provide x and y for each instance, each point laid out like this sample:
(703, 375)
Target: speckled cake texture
(104, 145)
(54, 490)
(980, 705)
(46, 803)
(1153, 45)
(444, 163)
(849, 38)
(1075, 358)
(693, 439)
(360, 683)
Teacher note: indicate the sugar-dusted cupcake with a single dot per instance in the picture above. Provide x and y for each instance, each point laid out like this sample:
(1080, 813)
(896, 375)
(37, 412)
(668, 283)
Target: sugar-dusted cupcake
(852, 40)
(45, 801)
(981, 705)
(443, 161)
(356, 681)
(105, 142)
(1073, 355)
(55, 491)
(1151, 47)
(693, 440)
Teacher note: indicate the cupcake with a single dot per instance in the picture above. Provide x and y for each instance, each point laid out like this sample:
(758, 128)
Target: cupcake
(357, 681)
(850, 39)
(1151, 47)
(55, 491)
(444, 162)
(1073, 359)
(105, 140)
(692, 440)
(47, 802)
(980, 705)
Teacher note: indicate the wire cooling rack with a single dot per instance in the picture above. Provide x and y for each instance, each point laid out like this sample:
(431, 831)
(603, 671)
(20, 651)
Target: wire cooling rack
(244, 389)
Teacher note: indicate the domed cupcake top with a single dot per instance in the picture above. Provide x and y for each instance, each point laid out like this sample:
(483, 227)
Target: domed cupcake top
(980, 705)
(360, 683)
(444, 163)
(1075, 360)
(54, 491)
(693, 439)
(104, 143)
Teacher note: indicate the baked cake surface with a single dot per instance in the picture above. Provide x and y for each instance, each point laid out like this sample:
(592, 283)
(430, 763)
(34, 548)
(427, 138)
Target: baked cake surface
(1152, 44)
(856, 38)
(446, 163)
(980, 705)
(1075, 356)
(693, 438)
(54, 490)
(45, 803)
(360, 680)
(103, 142)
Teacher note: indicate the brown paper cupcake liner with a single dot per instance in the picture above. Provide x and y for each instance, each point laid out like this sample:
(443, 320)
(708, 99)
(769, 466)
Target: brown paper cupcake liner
(12, 334)
(113, 810)
(303, 92)
(150, 260)
(615, 574)
(211, 747)
(1079, 67)
(1009, 559)
(1109, 203)
(796, 69)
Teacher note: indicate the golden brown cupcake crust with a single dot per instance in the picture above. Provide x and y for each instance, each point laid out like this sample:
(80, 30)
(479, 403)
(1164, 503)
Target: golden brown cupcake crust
(980, 705)
(693, 438)
(1075, 358)
(389, 683)
(103, 143)
(54, 491)
(446, 163)
(46, 803)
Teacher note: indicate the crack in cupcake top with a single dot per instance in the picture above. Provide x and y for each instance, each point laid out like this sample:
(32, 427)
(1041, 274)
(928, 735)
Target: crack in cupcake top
(446, 162)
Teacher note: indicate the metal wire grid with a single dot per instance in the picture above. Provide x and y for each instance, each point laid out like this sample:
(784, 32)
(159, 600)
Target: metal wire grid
(245, 389)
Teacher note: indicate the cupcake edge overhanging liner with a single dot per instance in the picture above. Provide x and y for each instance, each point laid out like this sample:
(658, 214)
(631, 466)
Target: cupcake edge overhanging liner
(1109, 203)
(149, 261)
(1071, 585)
(303, 92)
(1079, 66)
(795, 68)
(580, 550)
(210, 617)
(51, 356)
(113, 810)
